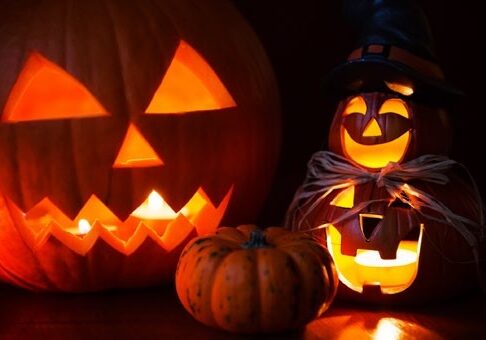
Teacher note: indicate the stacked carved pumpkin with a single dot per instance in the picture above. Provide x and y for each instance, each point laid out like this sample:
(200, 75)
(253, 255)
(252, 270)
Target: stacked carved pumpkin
(401, 220)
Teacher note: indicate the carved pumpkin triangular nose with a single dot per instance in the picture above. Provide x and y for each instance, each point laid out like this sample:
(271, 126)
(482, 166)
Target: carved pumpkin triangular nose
(372, 129)
(136, 152)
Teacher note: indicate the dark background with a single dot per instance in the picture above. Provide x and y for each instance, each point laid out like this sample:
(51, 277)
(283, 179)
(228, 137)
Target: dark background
(305, 39)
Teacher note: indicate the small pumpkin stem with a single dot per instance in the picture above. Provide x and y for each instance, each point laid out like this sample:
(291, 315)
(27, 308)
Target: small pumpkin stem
(257, 240)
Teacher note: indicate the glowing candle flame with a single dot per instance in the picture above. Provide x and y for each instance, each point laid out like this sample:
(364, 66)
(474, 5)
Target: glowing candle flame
(154, 208)
(83, 226)
(371, 258)
(155, 201)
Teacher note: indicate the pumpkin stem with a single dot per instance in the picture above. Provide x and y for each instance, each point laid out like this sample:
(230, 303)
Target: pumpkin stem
(257, 240)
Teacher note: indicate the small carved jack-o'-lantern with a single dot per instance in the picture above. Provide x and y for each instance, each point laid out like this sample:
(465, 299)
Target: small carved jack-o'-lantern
(125, 130)
(401, 224)
(384, 248)
(373, 129)
(380, 247)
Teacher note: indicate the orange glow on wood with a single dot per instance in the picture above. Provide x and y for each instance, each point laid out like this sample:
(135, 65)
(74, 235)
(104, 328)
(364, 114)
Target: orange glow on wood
(44, 91)
(345, 199)
(368, 268)
(355, 105)
(372, 129)
(96, 221)
(136, 152)
(190, 84)
(394, 105)
(375, 156)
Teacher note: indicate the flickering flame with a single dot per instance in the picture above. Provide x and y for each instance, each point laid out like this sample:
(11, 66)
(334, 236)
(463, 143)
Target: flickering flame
(155, 201)
(155, 208)
(83, 226)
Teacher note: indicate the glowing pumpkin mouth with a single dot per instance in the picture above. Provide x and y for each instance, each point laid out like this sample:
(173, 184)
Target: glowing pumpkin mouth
(153, 219)
(367, 268)
(375, 156)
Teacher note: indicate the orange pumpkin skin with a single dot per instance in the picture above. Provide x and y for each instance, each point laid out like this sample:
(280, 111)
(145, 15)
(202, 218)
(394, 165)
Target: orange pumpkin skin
(120, 52)
(446, 267)
(266, 289)
(423, 119)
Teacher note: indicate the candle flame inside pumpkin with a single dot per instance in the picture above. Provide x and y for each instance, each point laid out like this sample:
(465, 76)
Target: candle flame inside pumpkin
(83, 226)
(368, 268)
(95, 220)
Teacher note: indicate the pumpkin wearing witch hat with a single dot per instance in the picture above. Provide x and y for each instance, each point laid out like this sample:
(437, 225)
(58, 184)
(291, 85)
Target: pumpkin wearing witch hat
(402, 221)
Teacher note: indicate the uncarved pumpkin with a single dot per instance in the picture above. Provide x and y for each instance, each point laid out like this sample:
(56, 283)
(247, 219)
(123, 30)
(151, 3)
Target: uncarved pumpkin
(102, 103)
(248, 280)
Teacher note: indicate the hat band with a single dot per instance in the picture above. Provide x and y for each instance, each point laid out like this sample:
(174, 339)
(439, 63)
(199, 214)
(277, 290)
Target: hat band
(400, 55)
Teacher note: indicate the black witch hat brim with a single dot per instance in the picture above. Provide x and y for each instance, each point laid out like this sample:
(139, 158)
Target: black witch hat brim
(375, 64)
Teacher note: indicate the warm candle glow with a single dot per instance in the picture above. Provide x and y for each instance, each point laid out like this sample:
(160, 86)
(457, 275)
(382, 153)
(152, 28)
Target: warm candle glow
(155, 201)
(371, 258)
(373, 270)
(83, 226)
(368, 268)
(154, 208)
(388, 329)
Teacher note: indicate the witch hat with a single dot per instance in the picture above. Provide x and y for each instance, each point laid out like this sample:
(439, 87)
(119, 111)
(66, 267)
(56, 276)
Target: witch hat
(395, 45)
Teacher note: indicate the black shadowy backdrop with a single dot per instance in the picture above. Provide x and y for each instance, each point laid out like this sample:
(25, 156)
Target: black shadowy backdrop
(305, 39)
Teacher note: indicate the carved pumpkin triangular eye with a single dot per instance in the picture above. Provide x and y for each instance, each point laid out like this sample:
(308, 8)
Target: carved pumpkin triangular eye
(44, 91)
(344, 199)
(189, 85)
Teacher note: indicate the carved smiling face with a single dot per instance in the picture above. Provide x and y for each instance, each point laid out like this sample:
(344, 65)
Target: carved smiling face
(375, 128)
(387, 252)
(105, 105)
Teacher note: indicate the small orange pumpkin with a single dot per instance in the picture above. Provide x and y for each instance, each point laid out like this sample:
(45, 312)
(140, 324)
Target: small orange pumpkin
(247, 280)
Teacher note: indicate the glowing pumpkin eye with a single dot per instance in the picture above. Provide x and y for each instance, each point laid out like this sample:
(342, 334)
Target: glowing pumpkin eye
(344, 199)
(189, 85)
(45, 91)
(355, 105)
(396, 106)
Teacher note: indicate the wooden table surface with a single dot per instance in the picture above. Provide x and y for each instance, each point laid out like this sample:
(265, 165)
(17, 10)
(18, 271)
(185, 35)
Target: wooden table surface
(156, 313)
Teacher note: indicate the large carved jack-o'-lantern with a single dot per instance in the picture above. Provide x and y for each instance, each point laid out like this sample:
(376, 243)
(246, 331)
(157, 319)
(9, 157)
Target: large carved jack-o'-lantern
(126, 128)
(384, 201)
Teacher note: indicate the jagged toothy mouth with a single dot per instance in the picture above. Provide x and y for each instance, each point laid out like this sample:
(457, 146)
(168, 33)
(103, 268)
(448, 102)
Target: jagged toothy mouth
(154, 218)
(367, 268)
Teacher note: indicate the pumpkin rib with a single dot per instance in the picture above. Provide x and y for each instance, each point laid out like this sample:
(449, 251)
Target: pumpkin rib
(330, 286)
(256, 289)
(228, 307)
(211, 278)
(116, 42)
(306, 289)
(300, 291)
